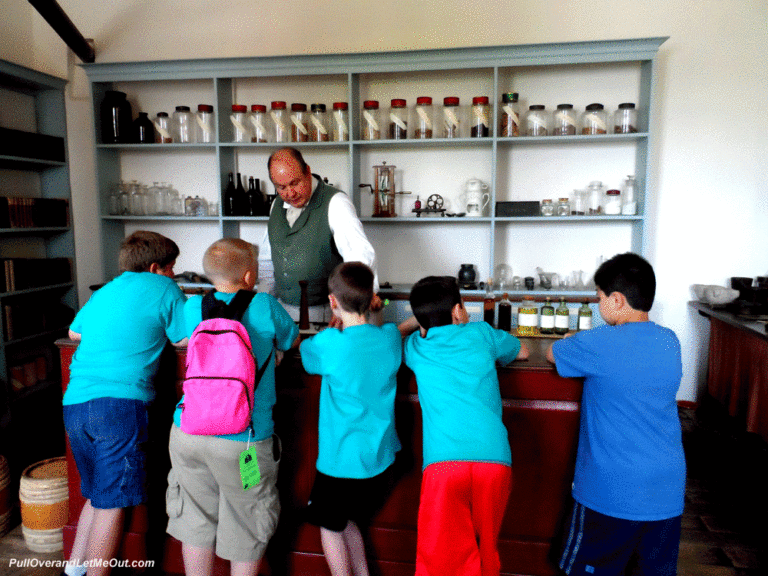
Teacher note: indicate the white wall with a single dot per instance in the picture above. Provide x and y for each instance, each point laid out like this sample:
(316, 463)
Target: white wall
(711, 209)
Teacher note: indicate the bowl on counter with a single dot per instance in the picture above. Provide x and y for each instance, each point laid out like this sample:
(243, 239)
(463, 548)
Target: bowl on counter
(714, 295)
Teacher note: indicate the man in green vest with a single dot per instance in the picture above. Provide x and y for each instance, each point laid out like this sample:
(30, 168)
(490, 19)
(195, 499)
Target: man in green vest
(312, 228)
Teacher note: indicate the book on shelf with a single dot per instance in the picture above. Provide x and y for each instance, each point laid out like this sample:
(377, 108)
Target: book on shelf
(33, 212)
(25, 273)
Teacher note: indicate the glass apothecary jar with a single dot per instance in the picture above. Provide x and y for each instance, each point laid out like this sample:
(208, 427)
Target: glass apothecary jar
(625, 119)
(579, 203)
(595, 198)
(424, 117)
(398, 119)
(299, 123)
(594, 120)
(527, 318)
(259, 124)
(563, 207)
(510, 115)
(628, 201)
(370, 121)
(536, 122)
(481, 117)
(204, 121)
(451, 117)
(564, 120)
(318, 124)
(183, 129)
(340, 122)
(163, 133)
(116, 118)
(239, 120)
(547, 208)
(143, 129)
(279, 121)
(612, 202)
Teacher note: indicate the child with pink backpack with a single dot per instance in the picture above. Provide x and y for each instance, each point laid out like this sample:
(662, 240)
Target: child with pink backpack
(222, 498)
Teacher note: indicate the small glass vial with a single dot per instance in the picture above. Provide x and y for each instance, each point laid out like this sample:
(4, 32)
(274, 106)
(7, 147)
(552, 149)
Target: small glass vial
(510, 115)
(423, 121)
(258, 120)
(204, 120)
(563, 207)
(451, 117)
(594, 120)
(579, 203)
(625, 119)
(547, 208)
(163, 128)
(527, 318)
(505, 313)
(612, 202)
(240, 123)
(340, 122)
(585, 316)
(370, 123)
(279, 122)
(183, 130)
(547, 318)
(564, 121)
(481, 117)
(628, 202)
(536, 121)
(299, 123)
(318, 125)
(562, 318)
(595, 198)
(398, 119)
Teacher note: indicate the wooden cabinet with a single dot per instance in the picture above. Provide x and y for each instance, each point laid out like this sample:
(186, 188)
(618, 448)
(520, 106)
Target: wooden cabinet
(514, 168)
(540, 410)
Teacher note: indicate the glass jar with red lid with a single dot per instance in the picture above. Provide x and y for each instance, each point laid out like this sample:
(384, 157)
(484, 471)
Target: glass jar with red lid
(259, 123)
(340, 122)
(299, 123)
(370, 121)
(279, 122)
(481, 117)
(398, 119)
(240, 123)
(451, 117)
(424, 119)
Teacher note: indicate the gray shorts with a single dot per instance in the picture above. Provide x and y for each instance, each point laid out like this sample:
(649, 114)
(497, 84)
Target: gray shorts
(205, 501)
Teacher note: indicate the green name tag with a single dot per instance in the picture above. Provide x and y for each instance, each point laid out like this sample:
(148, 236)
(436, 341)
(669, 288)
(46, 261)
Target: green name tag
(249, 468)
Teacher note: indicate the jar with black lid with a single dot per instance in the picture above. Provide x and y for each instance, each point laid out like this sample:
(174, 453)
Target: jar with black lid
(163, 128)
(451, 117)
(594, 120)
(481, 114)
(370, 123)
(423, 120)
(510, 115)
(564, 121)
(536, 121)
(318, 127)
(116, 118)
(398, 119)
(143, 129)
(625, 119)
(299, 123)
(183, 129)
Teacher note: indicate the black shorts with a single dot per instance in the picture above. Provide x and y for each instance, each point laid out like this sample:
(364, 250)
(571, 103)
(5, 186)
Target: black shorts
(335, 501)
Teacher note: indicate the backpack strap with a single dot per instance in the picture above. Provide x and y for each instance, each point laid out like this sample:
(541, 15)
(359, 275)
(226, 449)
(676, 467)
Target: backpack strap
(212, 307)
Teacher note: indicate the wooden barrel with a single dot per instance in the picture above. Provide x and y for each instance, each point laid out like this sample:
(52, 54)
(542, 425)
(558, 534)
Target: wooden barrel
(5, 496)
(44, 498)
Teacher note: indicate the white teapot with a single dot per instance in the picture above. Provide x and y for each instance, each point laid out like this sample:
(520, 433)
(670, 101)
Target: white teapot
(476, 197)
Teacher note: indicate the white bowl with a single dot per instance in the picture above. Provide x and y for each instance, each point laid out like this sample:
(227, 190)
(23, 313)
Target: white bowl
(698, 292)
(719, 295)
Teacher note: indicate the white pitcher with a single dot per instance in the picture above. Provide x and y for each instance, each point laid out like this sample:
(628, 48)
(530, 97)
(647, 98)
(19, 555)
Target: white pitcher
(476, 196)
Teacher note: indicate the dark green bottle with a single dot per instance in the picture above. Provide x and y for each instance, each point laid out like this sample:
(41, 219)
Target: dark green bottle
(562, 317)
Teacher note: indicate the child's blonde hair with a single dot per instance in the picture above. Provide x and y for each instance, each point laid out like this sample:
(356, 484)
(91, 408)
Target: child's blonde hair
(227, 260)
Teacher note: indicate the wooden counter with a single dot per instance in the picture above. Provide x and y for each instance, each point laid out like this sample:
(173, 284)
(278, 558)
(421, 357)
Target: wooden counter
(540, 410)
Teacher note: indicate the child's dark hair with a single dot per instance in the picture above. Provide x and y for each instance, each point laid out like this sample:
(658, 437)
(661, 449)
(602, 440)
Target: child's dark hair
(630, 274)
(142, 249)
(432, 300)
(352, 285)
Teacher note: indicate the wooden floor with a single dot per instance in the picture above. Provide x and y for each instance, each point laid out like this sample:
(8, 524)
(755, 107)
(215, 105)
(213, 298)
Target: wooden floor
(725, 524)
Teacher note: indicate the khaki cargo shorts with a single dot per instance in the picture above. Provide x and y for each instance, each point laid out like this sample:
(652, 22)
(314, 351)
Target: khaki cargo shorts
(206, 504)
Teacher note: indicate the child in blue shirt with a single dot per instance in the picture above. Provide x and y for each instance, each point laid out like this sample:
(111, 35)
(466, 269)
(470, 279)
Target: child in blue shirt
(209, 511)
(122, 329)
(467, 470)
(357, 438)
(629, 481)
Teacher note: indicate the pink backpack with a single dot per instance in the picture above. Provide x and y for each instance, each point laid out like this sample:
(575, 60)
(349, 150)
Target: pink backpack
(221, 374)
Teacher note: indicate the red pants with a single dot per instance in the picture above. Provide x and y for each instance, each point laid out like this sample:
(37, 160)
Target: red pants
(460, 514)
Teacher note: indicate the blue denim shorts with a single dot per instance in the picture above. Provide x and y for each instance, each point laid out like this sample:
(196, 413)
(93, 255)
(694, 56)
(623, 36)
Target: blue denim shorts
(108, 437)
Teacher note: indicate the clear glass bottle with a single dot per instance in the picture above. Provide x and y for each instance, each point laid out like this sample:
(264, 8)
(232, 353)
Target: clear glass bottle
(594, 120)
(481, 117)
(239, 119)
(579, 203)
(398, 119)
(258, 119)
(489, 303)
(628, 202)
(595, 198)
(183, 129)
(163, 134)
(134, 199)
(451, 117)
(510, 115)
(505, 313)
(370, 122)
(340, 122)
(625, 119)
(299, 123)
(153, 200)
(424, 118)
(564, 120)
(612, 202)
(562, 318)
(547, 208)
(547, 318)
(318, 124)
(205, 129)
(563, 207)
(123, 202)
(527, 318)
(278, 115)
(536, 122)
(113, 201)
(585, 316)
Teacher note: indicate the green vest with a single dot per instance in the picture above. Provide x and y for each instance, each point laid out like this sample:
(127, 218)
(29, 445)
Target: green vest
(304, 251)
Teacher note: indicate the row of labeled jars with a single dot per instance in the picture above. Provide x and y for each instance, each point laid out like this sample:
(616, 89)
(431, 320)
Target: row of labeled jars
(595, 200)
(566, 121)
(161, 199)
